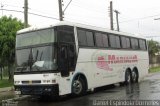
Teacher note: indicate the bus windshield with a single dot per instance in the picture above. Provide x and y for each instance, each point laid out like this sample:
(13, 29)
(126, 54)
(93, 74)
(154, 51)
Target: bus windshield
(35, 37)
(35, 59)
(35, 51)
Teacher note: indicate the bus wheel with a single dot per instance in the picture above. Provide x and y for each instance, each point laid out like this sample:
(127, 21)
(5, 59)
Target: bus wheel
(127, 77)
(134, 76)
(78, 87)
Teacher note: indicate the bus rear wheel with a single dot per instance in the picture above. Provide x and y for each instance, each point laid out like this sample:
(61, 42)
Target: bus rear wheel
(78, 87)
(134, 76)
(127, 77)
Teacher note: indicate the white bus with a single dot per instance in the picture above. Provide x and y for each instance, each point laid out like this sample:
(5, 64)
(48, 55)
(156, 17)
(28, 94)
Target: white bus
(72, 58)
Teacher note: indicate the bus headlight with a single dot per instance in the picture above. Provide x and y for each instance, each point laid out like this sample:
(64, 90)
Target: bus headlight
(46, 81)
(53, 81)
(49, 81)
(17, 82)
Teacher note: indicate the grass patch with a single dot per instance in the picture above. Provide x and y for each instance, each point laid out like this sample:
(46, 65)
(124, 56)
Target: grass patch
(154, 69)
(5, 83)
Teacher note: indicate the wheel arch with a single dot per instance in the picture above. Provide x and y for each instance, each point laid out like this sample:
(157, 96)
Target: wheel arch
(128, 69)
(83, 77)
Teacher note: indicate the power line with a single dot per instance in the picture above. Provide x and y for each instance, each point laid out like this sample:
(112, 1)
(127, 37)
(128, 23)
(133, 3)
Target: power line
(42, 12)
(82, 22)
(90, 4)
(67, 6)
(12, 5)
(89, 9)
(4, 5)
(84, 17)
(140, 18)
(151, 36)
(30, 13)
(44, 16)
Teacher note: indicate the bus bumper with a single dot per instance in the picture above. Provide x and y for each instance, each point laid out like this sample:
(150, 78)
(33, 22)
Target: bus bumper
(37, 89)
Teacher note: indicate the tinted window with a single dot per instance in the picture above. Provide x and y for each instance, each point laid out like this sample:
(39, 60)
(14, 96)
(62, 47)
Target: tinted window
(89, 36)
(65, 36)
(114, 41)
(99, 41)
(142, 44)
(118, 45)
(105, 40)
(134, 43)
(125, 42)
(36, 37)
(128, 43)
(82, 38)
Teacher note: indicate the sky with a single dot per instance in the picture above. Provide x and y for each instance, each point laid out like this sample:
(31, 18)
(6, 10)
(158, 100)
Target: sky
(136, 16)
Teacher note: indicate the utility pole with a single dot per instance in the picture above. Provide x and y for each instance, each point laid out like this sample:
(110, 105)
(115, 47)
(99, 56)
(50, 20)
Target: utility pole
(117, 12)
(25, 13)
(60, 10)
(111, 15)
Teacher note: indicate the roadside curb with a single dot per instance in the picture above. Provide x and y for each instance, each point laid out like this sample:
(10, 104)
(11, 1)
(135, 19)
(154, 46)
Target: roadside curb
(6, 89)
(148, 75)
(151, 74)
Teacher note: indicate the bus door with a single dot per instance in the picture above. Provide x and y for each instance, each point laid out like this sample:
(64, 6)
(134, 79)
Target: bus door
(63, 60)
(67, 58)
(66, 65)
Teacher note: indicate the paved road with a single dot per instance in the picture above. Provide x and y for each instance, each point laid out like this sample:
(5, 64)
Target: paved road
(148, 89)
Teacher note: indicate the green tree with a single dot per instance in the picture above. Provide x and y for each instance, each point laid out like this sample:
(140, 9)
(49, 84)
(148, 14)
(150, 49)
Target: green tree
(153, 47)
(8, 28)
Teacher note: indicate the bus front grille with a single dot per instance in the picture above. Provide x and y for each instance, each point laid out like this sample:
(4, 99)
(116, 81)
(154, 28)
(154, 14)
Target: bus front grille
(32, 82)
(38, 89)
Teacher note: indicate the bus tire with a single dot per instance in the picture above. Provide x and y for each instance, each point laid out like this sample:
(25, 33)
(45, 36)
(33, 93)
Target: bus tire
(134, 76)
(127, 77)
(78, 87)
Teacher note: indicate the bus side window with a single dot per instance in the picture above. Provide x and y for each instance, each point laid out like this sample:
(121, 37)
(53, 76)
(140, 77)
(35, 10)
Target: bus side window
(82, 40)
(125, 42)
(134, 43)
(114, 41)
(90, 41)
(142, 44)
(105, 40)
(118, 44)
(99, 39)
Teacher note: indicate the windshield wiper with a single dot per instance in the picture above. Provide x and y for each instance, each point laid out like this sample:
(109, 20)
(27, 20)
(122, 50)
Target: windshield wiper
(41, 55)
(36, 67)
(36, 55)
(22, 68)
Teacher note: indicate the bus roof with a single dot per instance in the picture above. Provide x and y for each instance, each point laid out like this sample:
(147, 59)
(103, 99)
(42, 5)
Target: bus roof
(34, 28)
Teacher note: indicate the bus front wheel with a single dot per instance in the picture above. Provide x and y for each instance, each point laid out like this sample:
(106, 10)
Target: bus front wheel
(78, 86)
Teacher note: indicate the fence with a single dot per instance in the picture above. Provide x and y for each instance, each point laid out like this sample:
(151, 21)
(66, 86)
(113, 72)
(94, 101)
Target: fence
(154, 61)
